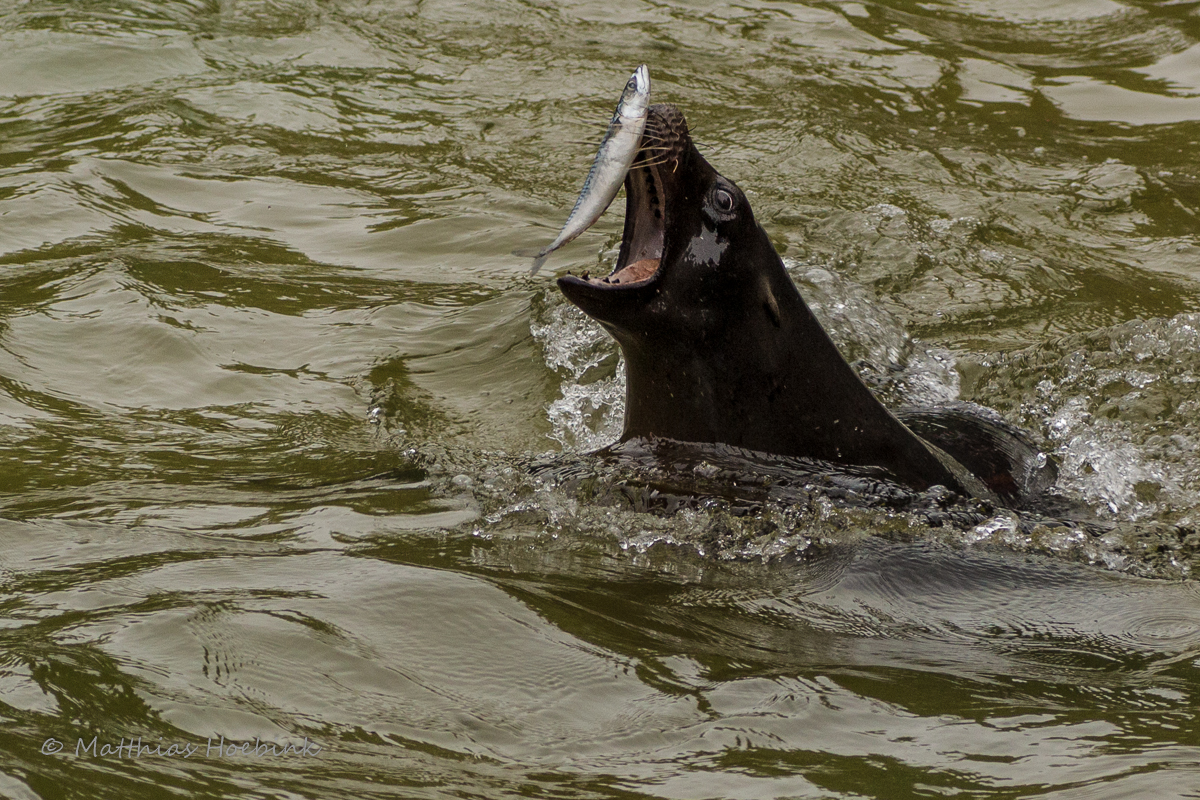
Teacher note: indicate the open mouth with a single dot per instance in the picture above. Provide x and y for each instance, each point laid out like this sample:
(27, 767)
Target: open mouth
(647, 194)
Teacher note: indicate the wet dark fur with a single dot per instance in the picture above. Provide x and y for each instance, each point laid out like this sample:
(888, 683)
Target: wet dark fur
(721, 348)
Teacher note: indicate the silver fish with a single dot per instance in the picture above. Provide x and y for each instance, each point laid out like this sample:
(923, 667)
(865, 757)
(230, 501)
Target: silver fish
(612, 162)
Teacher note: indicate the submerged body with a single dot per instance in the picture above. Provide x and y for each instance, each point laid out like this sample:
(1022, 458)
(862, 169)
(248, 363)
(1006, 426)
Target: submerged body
(720, 347)
(613, 160)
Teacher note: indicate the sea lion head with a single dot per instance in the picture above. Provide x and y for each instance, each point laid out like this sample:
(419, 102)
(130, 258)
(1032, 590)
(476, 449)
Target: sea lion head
(691, 252)
(694, 299)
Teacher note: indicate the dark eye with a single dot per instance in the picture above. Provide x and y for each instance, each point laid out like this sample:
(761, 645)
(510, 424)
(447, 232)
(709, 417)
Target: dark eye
(723, 200)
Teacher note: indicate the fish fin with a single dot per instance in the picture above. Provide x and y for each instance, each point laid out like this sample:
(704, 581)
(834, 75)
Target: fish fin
(538, 254)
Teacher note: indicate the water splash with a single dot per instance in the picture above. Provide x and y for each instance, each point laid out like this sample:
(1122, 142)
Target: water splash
(1120, 405)
(590, 412)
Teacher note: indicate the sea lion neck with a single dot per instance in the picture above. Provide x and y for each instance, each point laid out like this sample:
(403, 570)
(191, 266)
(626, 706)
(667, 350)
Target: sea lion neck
(755, 369)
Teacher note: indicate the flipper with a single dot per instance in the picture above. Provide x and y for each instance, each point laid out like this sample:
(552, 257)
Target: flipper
(1002, 456)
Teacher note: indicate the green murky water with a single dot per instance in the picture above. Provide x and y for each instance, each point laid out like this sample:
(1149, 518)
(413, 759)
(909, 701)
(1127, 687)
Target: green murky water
(269, 381)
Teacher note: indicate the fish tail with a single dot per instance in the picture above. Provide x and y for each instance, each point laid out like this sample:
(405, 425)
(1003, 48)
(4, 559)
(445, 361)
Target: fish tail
(538, 254)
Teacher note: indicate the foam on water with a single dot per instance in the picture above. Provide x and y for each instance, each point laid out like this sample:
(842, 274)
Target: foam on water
(591, 409)
(1119, 404)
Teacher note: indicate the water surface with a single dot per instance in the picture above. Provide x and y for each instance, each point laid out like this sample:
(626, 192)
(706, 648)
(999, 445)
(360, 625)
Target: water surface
(270, 384)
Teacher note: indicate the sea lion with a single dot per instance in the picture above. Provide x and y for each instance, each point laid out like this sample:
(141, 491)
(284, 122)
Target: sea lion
(720, 346)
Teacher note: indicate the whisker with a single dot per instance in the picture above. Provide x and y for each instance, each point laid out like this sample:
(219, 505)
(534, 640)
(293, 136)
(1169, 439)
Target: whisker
(656, 163)
(596, 144)
(647, 136)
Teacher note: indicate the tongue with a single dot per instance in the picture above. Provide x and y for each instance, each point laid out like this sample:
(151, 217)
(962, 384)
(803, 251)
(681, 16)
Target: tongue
(631, 273)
